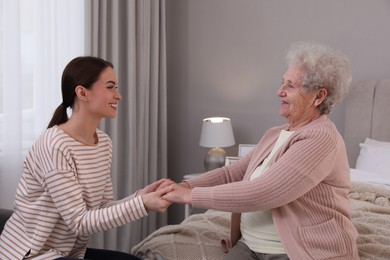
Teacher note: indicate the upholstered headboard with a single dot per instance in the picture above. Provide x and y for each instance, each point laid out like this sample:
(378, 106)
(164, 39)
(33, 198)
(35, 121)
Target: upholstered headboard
(367, 114)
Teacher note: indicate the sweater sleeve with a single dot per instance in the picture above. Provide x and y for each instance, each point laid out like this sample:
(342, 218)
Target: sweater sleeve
(297, 167)
(108, 196)
(66, 193)
(227, 174)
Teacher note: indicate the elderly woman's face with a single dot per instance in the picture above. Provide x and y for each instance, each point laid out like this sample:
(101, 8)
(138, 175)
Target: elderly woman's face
(297, 104)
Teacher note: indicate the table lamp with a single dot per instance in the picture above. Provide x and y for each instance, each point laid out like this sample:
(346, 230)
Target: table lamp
(216, 133)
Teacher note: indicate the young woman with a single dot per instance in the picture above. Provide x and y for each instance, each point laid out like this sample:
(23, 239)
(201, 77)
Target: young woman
(65, 193)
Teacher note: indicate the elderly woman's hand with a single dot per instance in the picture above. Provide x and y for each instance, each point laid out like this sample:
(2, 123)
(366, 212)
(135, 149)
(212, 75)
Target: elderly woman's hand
(155, 186)
(154, 201)
(180, 193)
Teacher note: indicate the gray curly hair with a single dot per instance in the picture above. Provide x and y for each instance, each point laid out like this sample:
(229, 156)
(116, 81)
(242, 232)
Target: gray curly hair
(323, 67)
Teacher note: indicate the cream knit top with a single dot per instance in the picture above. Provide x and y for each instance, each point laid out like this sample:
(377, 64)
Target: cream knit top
(64, 196)
(257, 228)
(306, 188)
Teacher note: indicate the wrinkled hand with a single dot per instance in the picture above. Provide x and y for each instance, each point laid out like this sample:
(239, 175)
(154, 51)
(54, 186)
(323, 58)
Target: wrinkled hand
(154, 201)
(155, 186)
(180, 193)
(165, 183)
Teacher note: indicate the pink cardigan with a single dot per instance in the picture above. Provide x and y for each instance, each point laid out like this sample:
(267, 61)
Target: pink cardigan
(306, 187)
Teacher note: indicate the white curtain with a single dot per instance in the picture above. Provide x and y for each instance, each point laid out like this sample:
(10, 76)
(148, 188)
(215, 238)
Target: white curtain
(37, 39)
(131, 34)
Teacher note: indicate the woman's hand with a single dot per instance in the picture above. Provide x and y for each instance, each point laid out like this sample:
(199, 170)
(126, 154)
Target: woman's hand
(180, 193)
(155, 186)
(154, 201)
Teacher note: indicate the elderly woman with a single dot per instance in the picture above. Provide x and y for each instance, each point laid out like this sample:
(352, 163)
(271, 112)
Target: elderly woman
(289, 196)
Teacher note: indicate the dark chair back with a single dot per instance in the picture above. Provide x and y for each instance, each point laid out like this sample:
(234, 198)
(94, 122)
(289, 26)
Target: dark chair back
(5, 214)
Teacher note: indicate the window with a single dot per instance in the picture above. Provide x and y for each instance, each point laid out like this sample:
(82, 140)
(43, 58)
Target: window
(37, 39)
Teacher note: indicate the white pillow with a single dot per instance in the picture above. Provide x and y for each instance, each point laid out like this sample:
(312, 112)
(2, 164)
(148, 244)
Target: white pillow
(375, 143)
(374, 157)
(369, 177)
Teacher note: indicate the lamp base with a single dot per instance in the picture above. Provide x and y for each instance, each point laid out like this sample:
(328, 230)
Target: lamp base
(214, 159)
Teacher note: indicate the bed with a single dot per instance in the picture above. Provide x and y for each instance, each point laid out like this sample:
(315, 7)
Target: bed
(367, 138)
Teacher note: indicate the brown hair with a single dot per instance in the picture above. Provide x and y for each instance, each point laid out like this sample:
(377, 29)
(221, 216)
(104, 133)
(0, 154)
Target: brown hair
(81, 71)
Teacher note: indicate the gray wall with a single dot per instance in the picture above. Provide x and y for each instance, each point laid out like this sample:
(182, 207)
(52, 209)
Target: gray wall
(226, 58)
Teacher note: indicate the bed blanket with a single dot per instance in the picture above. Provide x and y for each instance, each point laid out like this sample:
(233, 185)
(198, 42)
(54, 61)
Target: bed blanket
(198, 236)
(371, 216)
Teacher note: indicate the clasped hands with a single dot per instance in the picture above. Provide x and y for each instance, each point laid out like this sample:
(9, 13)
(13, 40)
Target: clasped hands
(159, 195)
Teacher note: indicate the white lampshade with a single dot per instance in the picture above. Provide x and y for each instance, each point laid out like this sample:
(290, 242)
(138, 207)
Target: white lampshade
(216, 132)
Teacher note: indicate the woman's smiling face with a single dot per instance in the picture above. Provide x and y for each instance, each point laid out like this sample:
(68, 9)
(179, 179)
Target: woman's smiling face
(297, 104)
(103, 96)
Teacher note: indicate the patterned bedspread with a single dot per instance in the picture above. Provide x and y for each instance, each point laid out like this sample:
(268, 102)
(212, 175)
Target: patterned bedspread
(198, 236)
(371, 217)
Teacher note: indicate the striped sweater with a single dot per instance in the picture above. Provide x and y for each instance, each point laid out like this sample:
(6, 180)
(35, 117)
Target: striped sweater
(306, 188)
(64, 196)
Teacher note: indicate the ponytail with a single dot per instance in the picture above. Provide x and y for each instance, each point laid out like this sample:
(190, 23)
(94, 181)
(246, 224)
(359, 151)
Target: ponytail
(59, 117)
(81, 71)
